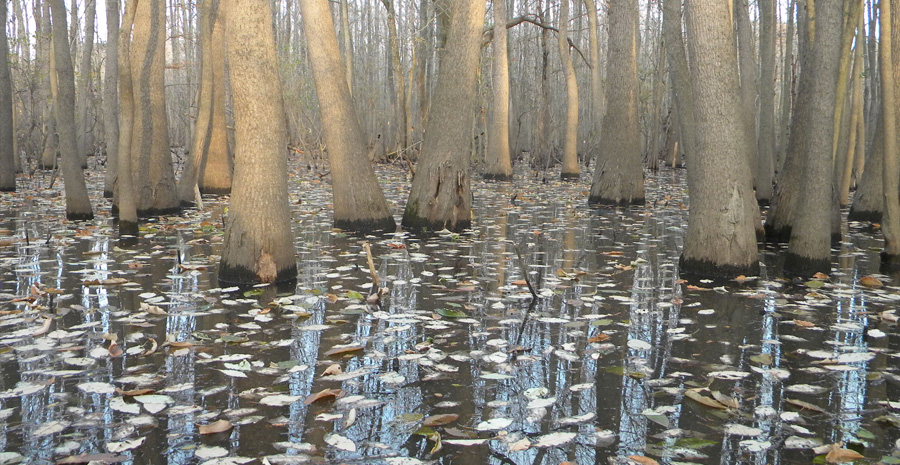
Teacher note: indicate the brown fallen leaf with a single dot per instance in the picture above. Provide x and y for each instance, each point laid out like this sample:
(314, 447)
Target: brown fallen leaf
(135, 392)
(115, 350)
(44, 327)
(805, 405)
(870, 282)
(343, 350)
(519, 282)
(694, 395)
(323, 394)
(218, 426)
(96, 458)
(334, 369)
(151, 349)
(726, 400)
(804, 324)
(643, 460)
(599, 337)
(841, 455)
(181, 344)
(820, 276)
(438, 420)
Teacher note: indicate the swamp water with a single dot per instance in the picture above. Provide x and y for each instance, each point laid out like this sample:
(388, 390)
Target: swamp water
(619, 356)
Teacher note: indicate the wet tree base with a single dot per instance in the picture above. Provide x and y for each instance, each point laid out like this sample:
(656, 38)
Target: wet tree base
(151, 212)
(7, 189)
(107, 194)
(763, 202)
(497, 177)
(127, 228)
(598, 201)
(79, 216)
(415, 223)
(873, 216)
(217, 191)
(889, 263)
(570, 177)
(706, 268)
(48, 167)
(780, 235)
(243, 276)
(798, 265)
(374, 225)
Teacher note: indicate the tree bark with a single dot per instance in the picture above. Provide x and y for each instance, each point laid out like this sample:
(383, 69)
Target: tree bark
(7, 135)
(618, 175)
(678, 70)
(721, 237)
(51, 138)
(749, 83)
(570, 169)
(217, 165)
(890, 72)
(597, 98)
(151, 157)
(124, 187)
(84, 139)
(359, 203)
(347, 41)
(498, 164)
(809, 250)
(787, 87)
(441, 195)
(868, 201)
(78, 204)
(401, 139)
(765, 146)
(111, 97)
(258, 246)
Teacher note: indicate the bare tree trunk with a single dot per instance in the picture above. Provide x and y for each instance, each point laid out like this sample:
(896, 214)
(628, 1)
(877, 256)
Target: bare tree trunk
(359, 203)
(401, 139)
(846, 175)
(570, 168)
(124, 187)
(347, 40)
(7, 135)
(217, 165)
(787, 86)
(78, 204)
(441, 195)
(111, 97)
(765, 161)
(497, 159)
(721, 237)
(868, 202)
(84, 138)
(258, 242)
(597, 97)
(749, 82)
(890, 72)
(618, 175)
(544, 151)
(678, 70)
(51, 138)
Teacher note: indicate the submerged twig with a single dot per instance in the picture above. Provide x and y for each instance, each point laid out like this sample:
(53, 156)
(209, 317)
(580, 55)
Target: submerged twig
(375, 282)
(534, 295)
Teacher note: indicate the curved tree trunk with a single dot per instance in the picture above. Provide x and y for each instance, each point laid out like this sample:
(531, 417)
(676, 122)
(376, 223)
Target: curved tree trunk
(618, 175)
(359, 203)
(78, 204)
(810, 244)
(497, 159)
(7, 136)
(570, 169)
(259, 246)
(721, 237)
(124, 187)
(441, 194)
(84, 139)
(111, 97)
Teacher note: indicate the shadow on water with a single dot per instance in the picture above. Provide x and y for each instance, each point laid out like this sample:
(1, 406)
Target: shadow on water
(617, 357)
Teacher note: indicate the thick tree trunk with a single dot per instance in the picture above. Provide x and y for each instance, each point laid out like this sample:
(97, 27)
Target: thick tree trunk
(570, 169)
(7, 135)
(749, 83)
(259, 246)
(441, 195)
(782, 131)
(347, 41)
(678, 70)
(78, 204)
(849, 158)
(151, 157)
(597, 98)
(890, 72)
(217, 165)
(618, 175)
(111, 97)
(84, 139)
(721, 237)
(868, 202)
(359, 203)
(124, 187)
(765, 161)
(498, 164)
(810, 244)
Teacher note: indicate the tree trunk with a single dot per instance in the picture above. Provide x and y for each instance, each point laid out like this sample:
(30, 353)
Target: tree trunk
(111, 97)
(84, 141)
(51, 138)
(749, 83)
(217, 164)
(150, 152)
(787, 87)
(597, 97)
(890, 72)
(765, 161)
(849, 158)
(570, 169)
(124, 187)
(78, 204)
(868, 202)
(810, 244)
(498, 164)
(401, 139)
(7, 135)
(618, 175)
(678, 70)
(258, 246)
(721, 237)
(347, 40)
(543, 126)
(441, 196)
(359, 202)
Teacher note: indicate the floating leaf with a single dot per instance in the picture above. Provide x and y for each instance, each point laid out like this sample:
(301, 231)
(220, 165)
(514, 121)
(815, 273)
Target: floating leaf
(643, 460)
(494, 424)
(116, 447)
(218, 426)
(438, 420)
(762, 359)
(805, 405)
(451, 313)
(695, 396)
(343, 350)
(340, 442)
(841, 455)
(323, 394)
(870, 282)
(554, 439)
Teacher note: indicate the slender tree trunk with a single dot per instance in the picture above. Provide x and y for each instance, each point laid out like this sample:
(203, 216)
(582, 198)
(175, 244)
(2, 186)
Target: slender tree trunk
(721, 237)
(787, 87)
(678, 70)
(7, 134)
(868, 202)
(749, 82)
(846, 172)
(809, 250)
(543, 127)
(111, 97)
(618, 175)
(78, 204)
(151, 155)
(124, 187)
(347, 40)
(498, 164)
(359, 203)
(890, 72)
(259, 246)
(570, 168)
(765, 162)
(51, 138)
(83, 136)
(847, 35)
(441, 195)
(597, 98)
(400, 124)
(217, 165)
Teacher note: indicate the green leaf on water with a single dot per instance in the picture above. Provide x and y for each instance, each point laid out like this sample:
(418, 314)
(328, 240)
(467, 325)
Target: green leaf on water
(615, 370)
(355, 295)
(602, 322)
(409, 417)
(451, 313)
(253, 292)
(864, 433)
(695, 443)
(762, 359)
(890, 460)
(425, 431)
(814, 283)
(231, 339)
